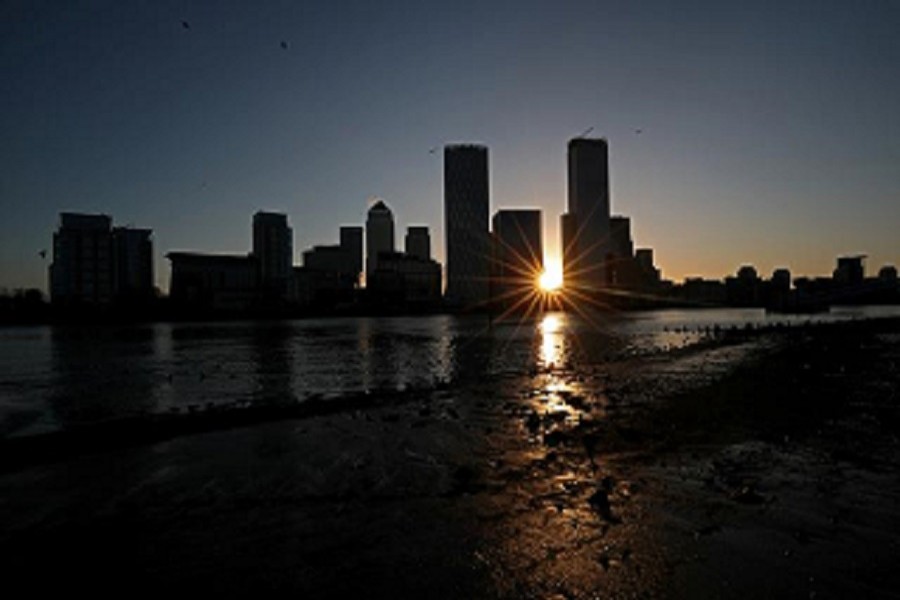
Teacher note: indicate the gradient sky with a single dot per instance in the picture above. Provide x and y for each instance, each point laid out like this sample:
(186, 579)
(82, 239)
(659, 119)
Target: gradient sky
(770, 130)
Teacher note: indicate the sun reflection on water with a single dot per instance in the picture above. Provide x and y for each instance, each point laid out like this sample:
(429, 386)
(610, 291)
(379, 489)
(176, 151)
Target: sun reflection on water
(552, 387)
(552, 348)
(569, 525)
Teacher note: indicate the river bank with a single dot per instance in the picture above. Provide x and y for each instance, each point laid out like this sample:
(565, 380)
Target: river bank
(757, 465)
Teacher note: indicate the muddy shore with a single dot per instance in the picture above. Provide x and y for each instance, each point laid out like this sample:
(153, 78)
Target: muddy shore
(756, 465)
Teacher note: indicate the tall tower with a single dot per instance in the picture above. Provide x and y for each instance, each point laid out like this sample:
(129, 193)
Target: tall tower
(379, 235)
(589, 213)
(273, 249)
(518, 255)
(519, 249)
(466, 202)
(352, 245)
(418, 242)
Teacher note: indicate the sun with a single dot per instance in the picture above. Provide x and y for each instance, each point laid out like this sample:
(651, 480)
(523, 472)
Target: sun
(550, 280)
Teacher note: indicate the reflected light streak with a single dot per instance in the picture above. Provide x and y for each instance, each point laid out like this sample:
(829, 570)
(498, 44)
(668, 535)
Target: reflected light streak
(552, 341)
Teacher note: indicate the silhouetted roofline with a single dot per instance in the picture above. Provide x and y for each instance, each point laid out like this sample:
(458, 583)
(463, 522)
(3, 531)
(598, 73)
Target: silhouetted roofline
(198, 256)
(515, 209)
(69, 213)
(582, 141)
(465, 146)
(326, 248)
(130, 228)
(270, 216)
(75, 220)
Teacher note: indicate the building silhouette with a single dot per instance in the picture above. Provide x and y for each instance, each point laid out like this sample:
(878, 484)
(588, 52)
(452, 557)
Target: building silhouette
(568, 230)
(399, 280)
(328, 258)
(586, 227)
(644, 259)
(95, 264)
(351, 241)
(404, 281)
(696, 291)
(620, 246)
(851, 270)
(466, 208)
(273, 249)
(219, 282)
(379, 235)
(81, 272)
(621, 268)
(133, 265)
(745, 288)
(518, 256)
(344, 259)
(329, 277)
(418, 242)
(237, 282)
(781, 280)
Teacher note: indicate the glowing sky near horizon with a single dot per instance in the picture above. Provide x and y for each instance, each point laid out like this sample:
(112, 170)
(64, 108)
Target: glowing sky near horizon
(769, 130)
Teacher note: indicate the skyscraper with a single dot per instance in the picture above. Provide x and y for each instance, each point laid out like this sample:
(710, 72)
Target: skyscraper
(519, 246)
(466, 202)
(379, 235)
(273, 249)
(589, 211)
(418, 242)
(518, 257)
(567, 229)
(351, 240)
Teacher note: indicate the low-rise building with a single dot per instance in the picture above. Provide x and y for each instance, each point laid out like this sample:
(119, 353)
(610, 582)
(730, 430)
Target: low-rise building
(226, 282)
(405, 279)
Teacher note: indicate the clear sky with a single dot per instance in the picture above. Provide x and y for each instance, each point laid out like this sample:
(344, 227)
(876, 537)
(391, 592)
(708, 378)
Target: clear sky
(770, 130)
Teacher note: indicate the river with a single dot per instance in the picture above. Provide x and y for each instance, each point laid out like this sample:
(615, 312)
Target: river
(60, 377)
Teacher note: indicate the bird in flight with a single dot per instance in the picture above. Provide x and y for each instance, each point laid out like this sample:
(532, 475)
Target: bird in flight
(185, 25)
(638, 131)
(284, 45)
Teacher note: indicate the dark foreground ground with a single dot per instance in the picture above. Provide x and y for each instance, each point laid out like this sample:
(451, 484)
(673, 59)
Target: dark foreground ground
(752, 467)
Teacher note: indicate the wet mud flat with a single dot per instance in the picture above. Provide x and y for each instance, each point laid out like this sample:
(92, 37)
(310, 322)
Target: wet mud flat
(753, 465)
(789, 482)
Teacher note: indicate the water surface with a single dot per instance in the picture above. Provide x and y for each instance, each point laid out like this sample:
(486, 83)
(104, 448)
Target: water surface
(56, 377)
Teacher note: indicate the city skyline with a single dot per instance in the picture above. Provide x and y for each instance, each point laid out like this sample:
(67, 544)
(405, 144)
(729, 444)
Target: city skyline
(467, 190)
(737, 135)
(614, 239)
